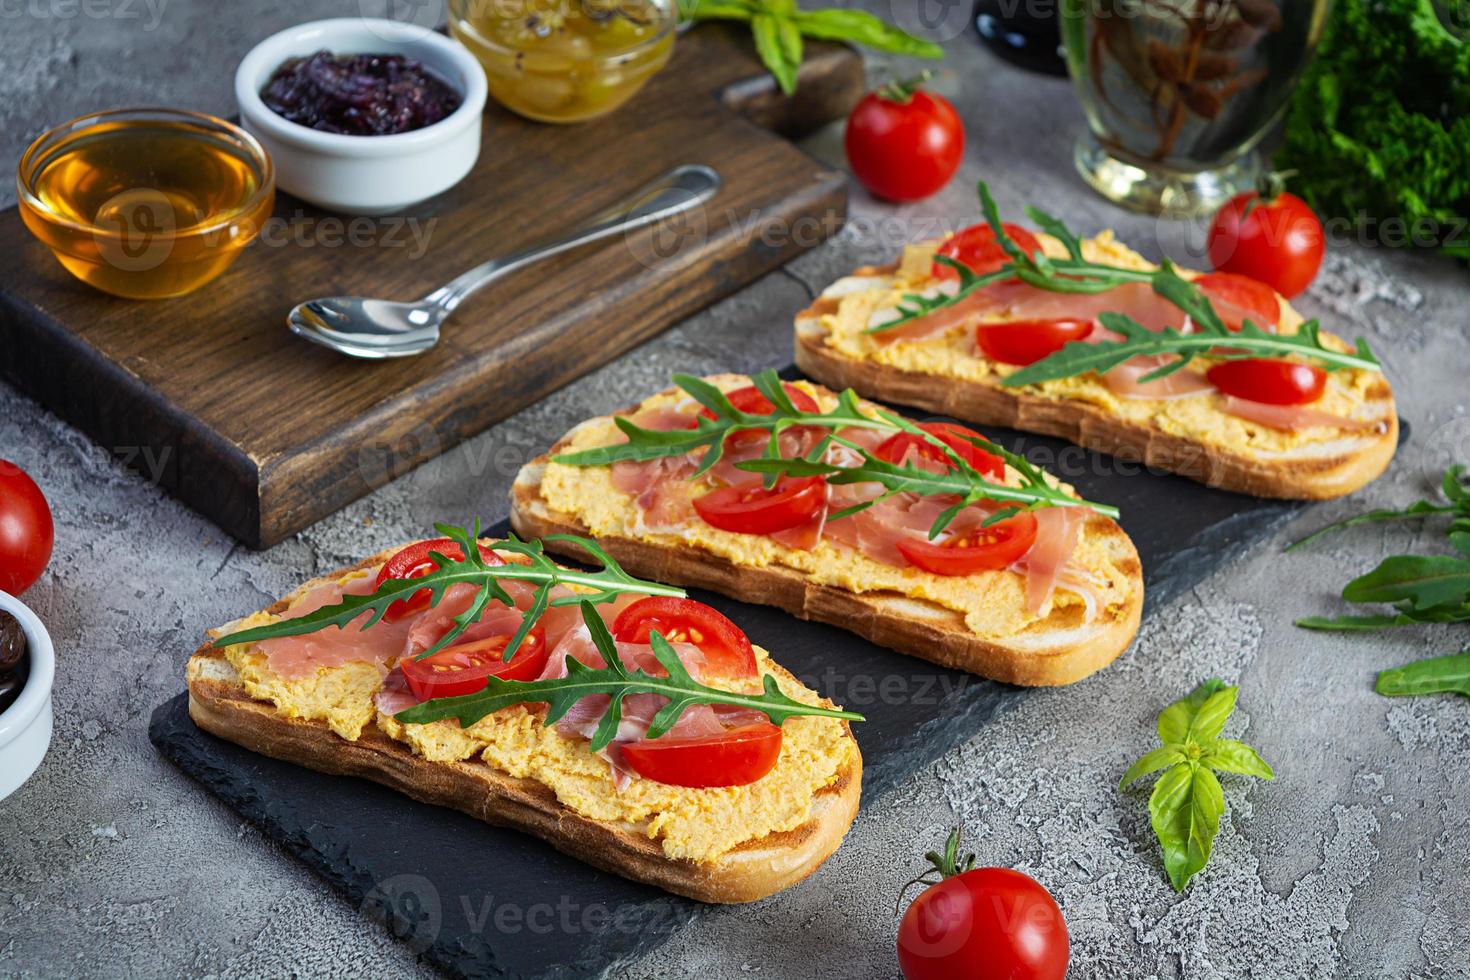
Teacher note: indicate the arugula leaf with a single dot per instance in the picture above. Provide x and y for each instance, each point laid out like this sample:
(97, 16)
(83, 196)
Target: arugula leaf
(709, 436)
(1077, 275)
(779, 25)
(617, 682)
(606, 584)
(1454, 485)
(1187, 800)
(1438, 675)
(1420, 582)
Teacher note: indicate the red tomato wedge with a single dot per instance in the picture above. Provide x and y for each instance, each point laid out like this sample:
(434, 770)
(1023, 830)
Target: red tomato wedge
(464, 667)
(896, 447)
(1273, 382)
(725, 646)
(750, 401)
(983, 549)
(1256, 300)
(1028, 341)
(414, 562)
(738, 757)
(977, 248)
(756, 510)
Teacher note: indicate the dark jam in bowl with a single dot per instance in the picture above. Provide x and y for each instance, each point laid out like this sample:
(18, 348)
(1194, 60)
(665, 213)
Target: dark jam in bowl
(360, 94)
(13, 659)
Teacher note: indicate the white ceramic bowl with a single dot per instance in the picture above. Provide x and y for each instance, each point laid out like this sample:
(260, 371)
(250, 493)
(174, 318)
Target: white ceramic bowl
(365, 174)
(25, 726)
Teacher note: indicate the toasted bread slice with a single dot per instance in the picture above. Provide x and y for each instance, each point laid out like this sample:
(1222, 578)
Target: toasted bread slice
(1310, 469)
(1057, 649)
(219, 703)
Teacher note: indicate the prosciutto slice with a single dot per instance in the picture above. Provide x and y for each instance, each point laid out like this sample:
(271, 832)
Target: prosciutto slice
(1124, 382)
(300, 656)
(1293, 418)
(1058, 530)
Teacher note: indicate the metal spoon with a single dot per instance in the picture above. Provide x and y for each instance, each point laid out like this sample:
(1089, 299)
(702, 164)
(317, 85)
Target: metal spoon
(360, 326)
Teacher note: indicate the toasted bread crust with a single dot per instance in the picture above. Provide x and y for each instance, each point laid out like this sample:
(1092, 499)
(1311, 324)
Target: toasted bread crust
(911, 626)
(219, 703)
(1358, 461)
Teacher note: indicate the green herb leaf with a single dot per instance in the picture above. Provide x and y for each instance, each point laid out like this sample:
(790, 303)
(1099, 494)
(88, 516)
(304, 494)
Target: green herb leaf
(962, 480)
(1160, 758)
(1415, 511)
(1419, 581)
(860, 27)
(1187, 801)
(1229, 755)
(1443, 614)
(606, 583)
(1185, 808)
(1439, 675)
(1077, 275)
(773, 43)
(1177, 719)
(617, 682)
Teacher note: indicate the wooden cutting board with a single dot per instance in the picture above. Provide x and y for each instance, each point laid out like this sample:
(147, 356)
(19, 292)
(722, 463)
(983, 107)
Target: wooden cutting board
(264, 433)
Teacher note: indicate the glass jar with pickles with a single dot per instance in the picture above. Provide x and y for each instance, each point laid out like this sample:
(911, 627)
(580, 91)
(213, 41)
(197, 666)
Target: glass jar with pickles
(565, 60)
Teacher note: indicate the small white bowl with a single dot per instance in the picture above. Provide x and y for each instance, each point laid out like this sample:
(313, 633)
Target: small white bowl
(25, 726)
(365, 174)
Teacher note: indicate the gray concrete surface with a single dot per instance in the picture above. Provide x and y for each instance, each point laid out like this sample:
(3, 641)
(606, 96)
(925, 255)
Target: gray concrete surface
(1352, 864)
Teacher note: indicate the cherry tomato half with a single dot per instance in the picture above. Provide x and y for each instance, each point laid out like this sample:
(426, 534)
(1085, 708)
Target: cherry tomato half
(990, 923)
(1028, 341)
(983, 549)
(26, 531)
(464, 667)
(956, 437)
(750, 401)
(977, 248)
(756, 510)
(414, 562)
(725, 646)
(1261, 379)
(904, 143)
(738, 757)
(1275, 239)
(1256, 300)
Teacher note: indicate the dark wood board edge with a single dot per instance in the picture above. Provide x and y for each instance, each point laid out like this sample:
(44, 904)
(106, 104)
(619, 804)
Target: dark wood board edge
(125, 417)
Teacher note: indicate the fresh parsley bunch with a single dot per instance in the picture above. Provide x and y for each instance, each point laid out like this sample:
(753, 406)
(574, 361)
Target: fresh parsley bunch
(779, 26)
(1187, 801)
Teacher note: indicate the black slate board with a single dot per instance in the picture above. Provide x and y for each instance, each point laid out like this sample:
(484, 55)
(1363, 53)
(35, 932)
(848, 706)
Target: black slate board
(498, 903)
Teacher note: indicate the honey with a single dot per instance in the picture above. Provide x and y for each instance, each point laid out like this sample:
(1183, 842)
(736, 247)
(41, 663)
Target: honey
(565, 60)
(146, 203)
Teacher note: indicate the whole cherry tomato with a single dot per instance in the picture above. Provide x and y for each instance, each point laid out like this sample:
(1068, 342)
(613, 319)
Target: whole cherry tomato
(26, 531)
(904, 143)
(1270, 236)
(981, 923)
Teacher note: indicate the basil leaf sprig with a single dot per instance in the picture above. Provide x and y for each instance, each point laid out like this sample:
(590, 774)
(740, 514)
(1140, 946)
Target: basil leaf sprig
(779, 26)
(1421, 588)
(617, 682)
(709, 436)
(605, 584)
(1437, 675)
(1075, 274)
(1187, 800)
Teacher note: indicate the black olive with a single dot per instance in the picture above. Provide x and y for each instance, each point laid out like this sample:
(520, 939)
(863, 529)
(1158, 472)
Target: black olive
(10, 686)
(12, 642)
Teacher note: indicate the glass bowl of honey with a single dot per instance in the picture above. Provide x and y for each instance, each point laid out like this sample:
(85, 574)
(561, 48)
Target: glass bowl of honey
(565, 61)
(146, 203)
